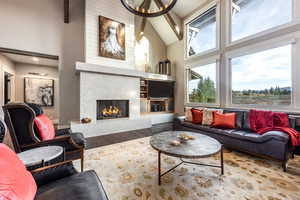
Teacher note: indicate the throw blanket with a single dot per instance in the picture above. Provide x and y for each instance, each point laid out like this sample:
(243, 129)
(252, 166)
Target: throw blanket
(265, 121)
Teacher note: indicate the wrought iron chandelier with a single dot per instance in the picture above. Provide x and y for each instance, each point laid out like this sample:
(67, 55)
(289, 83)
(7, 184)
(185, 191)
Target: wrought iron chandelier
(149, 8)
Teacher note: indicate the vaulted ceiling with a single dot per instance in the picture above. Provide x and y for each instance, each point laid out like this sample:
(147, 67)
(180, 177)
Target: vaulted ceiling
(182, 9)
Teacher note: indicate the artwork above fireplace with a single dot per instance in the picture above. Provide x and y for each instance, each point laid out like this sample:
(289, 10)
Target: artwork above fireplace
(112, 109)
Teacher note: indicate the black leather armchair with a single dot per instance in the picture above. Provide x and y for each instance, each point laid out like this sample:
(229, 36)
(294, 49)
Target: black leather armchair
(19, 118)
(2, 131)
(62, 181)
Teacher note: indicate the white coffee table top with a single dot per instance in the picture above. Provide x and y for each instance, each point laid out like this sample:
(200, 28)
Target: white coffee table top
(40, 154)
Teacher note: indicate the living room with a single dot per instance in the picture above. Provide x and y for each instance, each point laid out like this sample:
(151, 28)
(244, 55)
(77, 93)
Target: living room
(152, 99)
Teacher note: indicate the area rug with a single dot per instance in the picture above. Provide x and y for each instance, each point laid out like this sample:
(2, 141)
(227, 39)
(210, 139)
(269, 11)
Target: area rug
(128, 171)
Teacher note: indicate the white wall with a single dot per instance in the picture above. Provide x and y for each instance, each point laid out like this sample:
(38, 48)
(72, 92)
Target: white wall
(157, 47)
(22, 71)
(37, 26)
(8, 66)
(176, 55)
(111, 9)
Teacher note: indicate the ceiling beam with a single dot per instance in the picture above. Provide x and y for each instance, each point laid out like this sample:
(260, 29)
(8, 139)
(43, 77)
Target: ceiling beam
(145, 5)
(66, 11)
(176, 29)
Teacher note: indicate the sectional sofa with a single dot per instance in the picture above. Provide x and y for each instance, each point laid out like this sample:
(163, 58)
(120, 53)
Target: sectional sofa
(273, 144)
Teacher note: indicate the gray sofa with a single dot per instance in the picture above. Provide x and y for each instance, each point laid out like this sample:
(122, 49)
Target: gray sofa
(273, 144)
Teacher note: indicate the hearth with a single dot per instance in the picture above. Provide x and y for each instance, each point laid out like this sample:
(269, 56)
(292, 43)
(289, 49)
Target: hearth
(112, 109)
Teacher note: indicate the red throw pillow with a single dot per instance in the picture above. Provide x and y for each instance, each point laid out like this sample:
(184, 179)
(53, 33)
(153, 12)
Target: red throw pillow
(45, 127)
(224, 120)
(281, 120)
(16, 183)
(197, 116)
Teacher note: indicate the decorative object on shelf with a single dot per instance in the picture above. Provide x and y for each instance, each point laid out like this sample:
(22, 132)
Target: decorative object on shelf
(111, 39)
(39, 91)
(86, 120)
(149, 8)
(164, 67)
(168, 67)
(160, 67)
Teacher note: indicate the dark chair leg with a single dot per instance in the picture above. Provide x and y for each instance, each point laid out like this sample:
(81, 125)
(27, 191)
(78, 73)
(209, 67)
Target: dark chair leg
(82, 159)
(284, 165)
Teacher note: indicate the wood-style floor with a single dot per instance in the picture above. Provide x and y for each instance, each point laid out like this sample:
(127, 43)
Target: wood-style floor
(104, 140)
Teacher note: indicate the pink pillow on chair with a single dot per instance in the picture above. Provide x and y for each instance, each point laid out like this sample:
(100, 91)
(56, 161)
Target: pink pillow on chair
(45, 127)
(16, 183)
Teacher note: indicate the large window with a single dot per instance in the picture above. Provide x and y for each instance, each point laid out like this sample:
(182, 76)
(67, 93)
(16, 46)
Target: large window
(253, 16)
(202, 33)
(202, 84)
(263, 78)
(254, 46)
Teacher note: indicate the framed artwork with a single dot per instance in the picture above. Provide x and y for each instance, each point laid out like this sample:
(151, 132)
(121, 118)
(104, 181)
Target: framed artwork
(39, 91)
(111, 39)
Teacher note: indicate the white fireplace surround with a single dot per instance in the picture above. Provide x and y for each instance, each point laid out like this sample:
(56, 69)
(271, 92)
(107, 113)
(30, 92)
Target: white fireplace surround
(109, 83)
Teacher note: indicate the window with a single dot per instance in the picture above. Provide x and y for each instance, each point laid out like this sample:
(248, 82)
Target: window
(142, 53)
(253, 16)
(263, 78)
(202, 33)
(202, 84)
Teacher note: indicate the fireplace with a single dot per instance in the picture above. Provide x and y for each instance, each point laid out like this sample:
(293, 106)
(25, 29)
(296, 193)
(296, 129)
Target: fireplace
(112, 109)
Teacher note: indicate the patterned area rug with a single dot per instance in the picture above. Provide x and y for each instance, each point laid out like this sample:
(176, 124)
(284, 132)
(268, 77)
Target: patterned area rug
(128, 171)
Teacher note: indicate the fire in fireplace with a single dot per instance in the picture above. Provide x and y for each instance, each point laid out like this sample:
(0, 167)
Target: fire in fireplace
(111, 109)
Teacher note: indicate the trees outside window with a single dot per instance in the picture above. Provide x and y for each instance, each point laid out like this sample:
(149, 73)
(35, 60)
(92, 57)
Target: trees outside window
(202, 84)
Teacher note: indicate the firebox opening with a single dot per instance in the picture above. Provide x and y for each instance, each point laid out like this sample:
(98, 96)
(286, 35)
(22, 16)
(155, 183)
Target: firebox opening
(111, 109)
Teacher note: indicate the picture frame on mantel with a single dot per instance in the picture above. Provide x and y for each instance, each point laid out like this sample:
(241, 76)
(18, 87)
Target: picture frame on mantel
(111, 39)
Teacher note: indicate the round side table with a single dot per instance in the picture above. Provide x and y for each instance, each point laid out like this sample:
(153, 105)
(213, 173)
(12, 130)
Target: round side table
(42, 156)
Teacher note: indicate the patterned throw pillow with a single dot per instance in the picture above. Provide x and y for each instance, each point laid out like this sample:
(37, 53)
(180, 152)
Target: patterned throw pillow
(208, 117)
(188, 114)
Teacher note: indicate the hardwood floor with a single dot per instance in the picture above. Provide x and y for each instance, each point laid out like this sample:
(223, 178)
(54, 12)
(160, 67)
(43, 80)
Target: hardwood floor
(104, 140)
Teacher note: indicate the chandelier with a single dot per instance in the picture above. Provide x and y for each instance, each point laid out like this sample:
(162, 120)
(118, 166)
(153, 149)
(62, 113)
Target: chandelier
(149, 8)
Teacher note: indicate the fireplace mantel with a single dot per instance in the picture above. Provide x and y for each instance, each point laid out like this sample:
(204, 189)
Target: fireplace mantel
(92, 68)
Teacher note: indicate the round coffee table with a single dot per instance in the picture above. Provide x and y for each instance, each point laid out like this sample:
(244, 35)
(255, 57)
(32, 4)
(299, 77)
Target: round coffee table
(201, 147)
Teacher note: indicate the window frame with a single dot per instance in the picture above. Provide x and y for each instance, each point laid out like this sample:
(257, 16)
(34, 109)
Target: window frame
(229, 42)
(256, 48)
(203, 62)
(218, 30)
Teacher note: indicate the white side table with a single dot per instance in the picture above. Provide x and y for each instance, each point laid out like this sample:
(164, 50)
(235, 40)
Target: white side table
(42, 156)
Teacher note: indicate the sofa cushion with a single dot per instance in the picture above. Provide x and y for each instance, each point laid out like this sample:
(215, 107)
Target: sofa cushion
(254, 137)
(226, 121)
(197, 116)
(188, 114)
(81, 186)
(239, 118)
(206, 128)
(45, 127)
(240, 134)
(16, 183)
(246, 122)
(208, 118)
(260, 119)
(281, 119)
